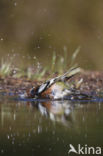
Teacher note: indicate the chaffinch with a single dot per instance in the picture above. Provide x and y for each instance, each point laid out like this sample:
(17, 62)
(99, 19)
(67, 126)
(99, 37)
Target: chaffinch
(52, 89)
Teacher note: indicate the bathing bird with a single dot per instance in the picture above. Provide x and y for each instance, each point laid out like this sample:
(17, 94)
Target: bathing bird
(55, 88)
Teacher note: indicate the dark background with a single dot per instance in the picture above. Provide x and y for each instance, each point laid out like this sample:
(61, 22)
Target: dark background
(30, 28)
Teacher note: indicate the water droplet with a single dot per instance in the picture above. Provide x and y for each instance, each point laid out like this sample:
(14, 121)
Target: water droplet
(67, 111)
(83, 118)
(12, 50)
(2, 39)
(14, 72)
(34, 57)
(8, 136)
(13, 142)
(2, 151)
(14, 116)
(50, 149)
(57, 138)
(39, 129)
(38, 47)
(50, 46)
(15, 4)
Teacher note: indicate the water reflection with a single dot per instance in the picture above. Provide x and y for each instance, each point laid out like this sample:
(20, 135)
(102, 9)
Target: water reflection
(57, 111)
(64, 112)
(48, 126)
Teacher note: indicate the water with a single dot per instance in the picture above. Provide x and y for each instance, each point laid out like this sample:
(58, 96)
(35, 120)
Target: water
(47, 128)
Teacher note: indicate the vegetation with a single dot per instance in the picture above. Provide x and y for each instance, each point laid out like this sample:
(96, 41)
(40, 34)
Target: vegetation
(5, 69)
(59, 65)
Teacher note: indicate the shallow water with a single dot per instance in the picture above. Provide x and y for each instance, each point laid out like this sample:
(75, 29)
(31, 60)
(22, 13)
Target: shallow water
(48, 128)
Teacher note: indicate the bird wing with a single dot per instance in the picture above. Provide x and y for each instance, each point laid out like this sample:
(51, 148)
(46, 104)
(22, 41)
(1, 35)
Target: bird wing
(71, 72)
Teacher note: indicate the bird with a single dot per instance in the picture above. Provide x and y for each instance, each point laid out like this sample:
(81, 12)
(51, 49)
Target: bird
(52, 88)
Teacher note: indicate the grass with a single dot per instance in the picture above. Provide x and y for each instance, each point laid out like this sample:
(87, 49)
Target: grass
(5, 68)
(59, 64)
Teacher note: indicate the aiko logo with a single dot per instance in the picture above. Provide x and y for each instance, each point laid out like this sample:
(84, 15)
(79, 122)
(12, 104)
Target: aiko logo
(84, 150)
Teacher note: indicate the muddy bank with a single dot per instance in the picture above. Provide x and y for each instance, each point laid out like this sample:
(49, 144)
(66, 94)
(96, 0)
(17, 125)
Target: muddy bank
(92, 81)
